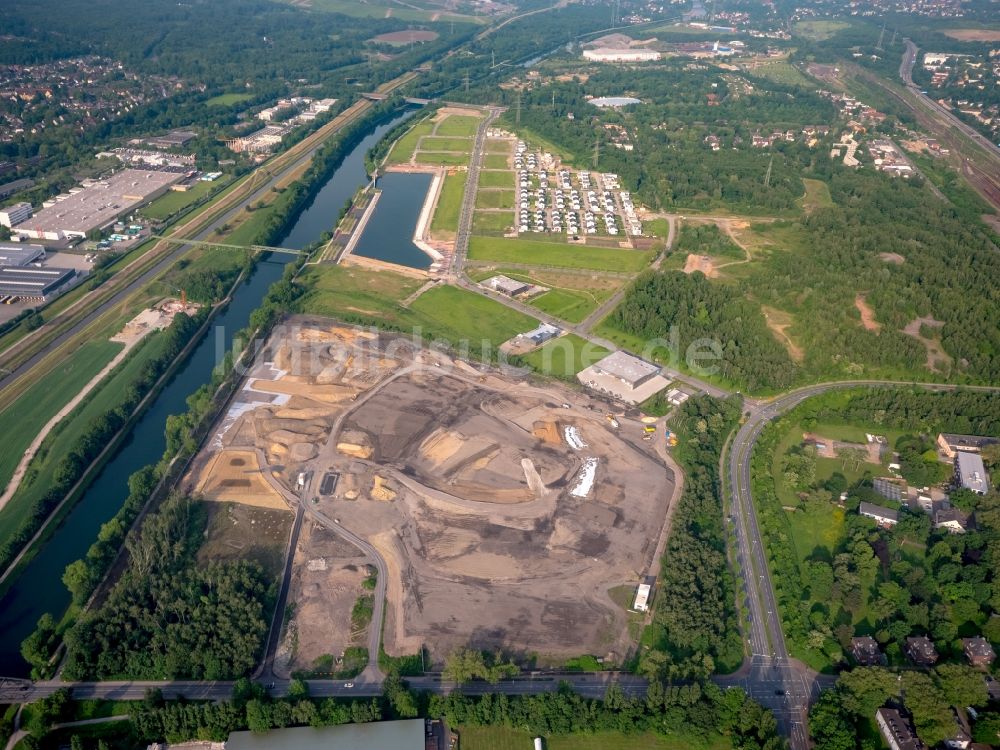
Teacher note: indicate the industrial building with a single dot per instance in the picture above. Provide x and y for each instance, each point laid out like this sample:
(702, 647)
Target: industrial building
(17, 254)
(97, 204)
(33, 283)
(173, 139)
(625, 377)
(506, 285)
(13, 215)
(970, 472)
(612, 54)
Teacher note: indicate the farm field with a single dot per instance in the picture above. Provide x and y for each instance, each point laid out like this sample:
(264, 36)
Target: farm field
(557, 254)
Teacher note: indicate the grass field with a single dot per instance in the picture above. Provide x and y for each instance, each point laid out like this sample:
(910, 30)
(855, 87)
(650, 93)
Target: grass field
(502, 738)
(492, 222)
(441, 158)
(173, 201)
(228, 100)
(449, 204)
(492, 179)
(496, 161)
(817, 195)
(496, 146)
(557, 254)
(565, 357)
(569, 305)
(437, 143)
(462, 126)
(495, 199)
(818, 30)
(387, 10)
(403, 150)
(459, 315)
(372, 298)
(780, 71)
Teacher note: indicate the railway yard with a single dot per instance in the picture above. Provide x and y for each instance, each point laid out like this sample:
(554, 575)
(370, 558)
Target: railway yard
(504, 511)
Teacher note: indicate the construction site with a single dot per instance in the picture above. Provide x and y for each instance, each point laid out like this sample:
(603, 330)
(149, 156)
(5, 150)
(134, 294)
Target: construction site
(502, 510)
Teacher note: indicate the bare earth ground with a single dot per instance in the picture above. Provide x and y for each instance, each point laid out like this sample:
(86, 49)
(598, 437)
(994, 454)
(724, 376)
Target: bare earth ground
(326, 583)
(245, 532)
(495, 531)
(701, 263)
(892, 258)
(778, 321)
(936, 356)
(867, 314)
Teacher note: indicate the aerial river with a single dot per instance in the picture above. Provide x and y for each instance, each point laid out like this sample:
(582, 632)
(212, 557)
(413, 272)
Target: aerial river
(39, 588)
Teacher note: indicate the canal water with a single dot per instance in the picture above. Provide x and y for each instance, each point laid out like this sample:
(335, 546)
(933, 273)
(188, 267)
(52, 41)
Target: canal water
(388, 235)
(39, 588)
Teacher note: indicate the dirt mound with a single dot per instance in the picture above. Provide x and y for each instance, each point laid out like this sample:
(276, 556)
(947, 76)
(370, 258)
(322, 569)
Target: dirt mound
(547, 432)
(353, 449)
(235, 476)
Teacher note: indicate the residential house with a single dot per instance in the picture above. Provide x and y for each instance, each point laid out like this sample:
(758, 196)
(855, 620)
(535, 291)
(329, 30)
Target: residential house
(885, 517)
(920, 650)
(978, 651)
(952, 519)
(866, 652)
(897, 730)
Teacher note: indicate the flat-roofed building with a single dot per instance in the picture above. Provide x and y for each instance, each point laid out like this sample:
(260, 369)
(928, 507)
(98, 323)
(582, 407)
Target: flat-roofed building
(625, 377)
(98, 204)
(505, 285)
(614, 54)
(14, 215)
(897, 730)
(970, 472)
(33, 283)
(408, 734)
(641, 603)
(19, 254)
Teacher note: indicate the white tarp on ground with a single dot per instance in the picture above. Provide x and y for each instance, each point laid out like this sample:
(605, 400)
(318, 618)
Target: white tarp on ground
(585, 479)
(573, 437)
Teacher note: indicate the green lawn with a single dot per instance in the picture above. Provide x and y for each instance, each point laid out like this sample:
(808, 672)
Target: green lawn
(21, 421)
(458, 315)
(438, 157)
(400, 13)
(435, 143)
(565, 357)
(369, 297)
(497, 146)
(492, 222)
(449, 204)
(816, 527)
(557, 254)
(407, 144)
(818, 30)
(173, 201)
(496, 179)
(228, 100)
(782, 72)
(458, 125)
(496, 161)
(502, 738)
(495, 199)
(567, 304)
(817, 195)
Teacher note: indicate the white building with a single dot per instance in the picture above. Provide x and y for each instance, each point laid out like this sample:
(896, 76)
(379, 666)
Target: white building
(14, 215)
(613, 54)
(642, 598)
(625, 377)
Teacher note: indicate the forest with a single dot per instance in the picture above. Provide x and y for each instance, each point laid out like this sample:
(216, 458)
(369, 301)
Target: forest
(694, 309)
(695, 631)
(169, 617)
(866, 580)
